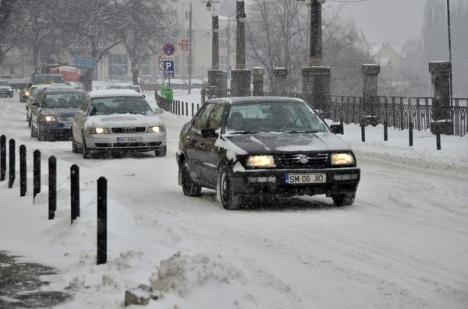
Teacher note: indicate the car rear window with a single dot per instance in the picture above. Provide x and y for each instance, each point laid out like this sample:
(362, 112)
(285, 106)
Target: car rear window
(63, 100)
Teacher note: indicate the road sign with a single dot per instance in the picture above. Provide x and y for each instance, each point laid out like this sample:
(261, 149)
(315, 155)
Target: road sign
(169, 49)
(84, 62)
(169, 68)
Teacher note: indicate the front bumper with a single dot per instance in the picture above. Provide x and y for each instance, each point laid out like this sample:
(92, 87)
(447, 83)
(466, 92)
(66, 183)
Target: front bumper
(57, 130)
(267, 182)
(143, 142)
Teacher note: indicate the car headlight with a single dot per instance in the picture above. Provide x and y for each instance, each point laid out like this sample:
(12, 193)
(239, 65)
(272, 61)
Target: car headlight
(98, 131)
(49, 118)
(27, 93)
(156, 129)
(342, 159)
(261, 161)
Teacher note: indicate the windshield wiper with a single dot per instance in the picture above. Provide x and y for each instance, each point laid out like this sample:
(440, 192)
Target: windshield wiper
(243, 132)
(301, 131)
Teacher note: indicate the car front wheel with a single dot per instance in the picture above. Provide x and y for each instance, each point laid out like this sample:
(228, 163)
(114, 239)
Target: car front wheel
(189, 187)
(229, 199)
(86, 151)
(346, 199)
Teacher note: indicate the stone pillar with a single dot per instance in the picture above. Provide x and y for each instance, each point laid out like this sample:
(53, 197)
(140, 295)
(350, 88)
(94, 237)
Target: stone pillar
(316, 88)
(315, 49)
(257, 80)
(369, 90)
(280, 82)
(240, 35)
(217, 84)
(440, 77)
(240, 83)
(215, 43)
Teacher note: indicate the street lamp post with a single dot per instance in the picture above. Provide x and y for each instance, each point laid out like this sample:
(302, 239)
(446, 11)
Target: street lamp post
(450, 50)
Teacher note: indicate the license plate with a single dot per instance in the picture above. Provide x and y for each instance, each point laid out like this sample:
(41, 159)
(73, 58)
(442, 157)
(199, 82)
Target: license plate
(305, 178)
(133, 139)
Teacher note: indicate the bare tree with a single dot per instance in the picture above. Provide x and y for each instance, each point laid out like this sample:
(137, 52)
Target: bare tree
(8, 29)
(143, 27)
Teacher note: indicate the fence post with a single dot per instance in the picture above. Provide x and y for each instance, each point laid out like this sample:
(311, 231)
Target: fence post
(198, 107)
(411, 134)
(186, 108)
(11, 163)
(438, 140)
(363, 133)
(182, 110)
(2, 157)
(193, 109)
(52, 187)
(36, 173)
(342, 126)
(23, 182)
(75, 191)
(385, 130)
(102, 221)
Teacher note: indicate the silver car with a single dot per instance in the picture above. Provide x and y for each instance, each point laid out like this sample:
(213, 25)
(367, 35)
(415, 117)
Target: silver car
(117, 121)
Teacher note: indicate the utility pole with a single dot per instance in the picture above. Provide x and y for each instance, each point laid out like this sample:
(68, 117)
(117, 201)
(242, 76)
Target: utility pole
(190, 50)
(450, 50)
(228, 36)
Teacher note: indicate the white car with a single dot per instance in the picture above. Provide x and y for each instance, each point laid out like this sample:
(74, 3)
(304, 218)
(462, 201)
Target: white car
(117, 121)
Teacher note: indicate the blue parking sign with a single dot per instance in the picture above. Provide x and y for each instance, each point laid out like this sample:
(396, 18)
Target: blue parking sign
(169, 68)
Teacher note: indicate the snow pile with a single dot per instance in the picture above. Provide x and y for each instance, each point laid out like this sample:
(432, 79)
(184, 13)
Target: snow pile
(197, 280)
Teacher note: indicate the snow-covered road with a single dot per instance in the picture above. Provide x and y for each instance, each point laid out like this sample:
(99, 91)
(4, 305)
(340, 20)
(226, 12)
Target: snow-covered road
(404, 243)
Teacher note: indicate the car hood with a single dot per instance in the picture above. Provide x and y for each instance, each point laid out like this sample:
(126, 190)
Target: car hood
(123, 120)
(59, 112)
(285, 142)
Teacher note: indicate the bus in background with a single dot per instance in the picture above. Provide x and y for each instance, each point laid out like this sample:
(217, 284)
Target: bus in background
(71, 75)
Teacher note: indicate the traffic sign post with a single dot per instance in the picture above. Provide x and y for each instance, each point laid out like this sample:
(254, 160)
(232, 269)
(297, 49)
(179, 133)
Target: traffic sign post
(169, 49)
(169, 68)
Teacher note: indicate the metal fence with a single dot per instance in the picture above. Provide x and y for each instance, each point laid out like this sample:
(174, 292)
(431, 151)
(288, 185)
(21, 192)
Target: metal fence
(399, 112)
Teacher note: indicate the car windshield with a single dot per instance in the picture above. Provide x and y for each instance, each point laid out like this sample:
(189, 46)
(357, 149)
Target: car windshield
(293, 117)
(47, 79)
(119, 105)
(63, 100)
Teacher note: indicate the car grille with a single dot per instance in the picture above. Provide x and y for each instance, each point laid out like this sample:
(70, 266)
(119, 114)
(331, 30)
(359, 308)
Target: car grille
(302, 160)
(129, 130)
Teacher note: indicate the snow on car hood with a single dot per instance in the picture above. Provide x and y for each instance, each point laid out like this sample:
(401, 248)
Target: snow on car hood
(284, 142)
(124, 120)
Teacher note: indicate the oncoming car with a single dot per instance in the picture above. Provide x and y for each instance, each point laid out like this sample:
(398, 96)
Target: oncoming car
(52, 112)
(5, 89)
(253, 147)
(117, 121)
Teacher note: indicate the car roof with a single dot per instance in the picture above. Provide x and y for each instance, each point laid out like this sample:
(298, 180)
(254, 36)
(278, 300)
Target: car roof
(114, 93)
(256, 99)
(62, 90)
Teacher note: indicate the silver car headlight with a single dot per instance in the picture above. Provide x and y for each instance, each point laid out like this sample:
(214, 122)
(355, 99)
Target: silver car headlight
(344, 158)
(156, 129)
(49, 118)
(261, 161)
(98, 130)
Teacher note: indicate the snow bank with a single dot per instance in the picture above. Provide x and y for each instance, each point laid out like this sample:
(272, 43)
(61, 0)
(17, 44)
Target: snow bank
(197, 280)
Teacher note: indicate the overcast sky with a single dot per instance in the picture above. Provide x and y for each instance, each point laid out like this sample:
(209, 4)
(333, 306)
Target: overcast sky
(386, 21)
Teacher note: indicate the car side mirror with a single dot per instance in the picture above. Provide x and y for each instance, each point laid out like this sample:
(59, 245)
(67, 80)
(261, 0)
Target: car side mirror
(336, 128)
(207, 133)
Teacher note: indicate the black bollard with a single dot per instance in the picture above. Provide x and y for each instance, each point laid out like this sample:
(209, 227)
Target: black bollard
(23, 181)
(182, 109)
(342, 126)
(2, 157)
(193, 109)
(36, 172)
(102, 220)
(363, 133)
(186, 108)
(11, 163)
(75, 191)
(411, 134)
(385, 131)
(438, 141)
(52, 187)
